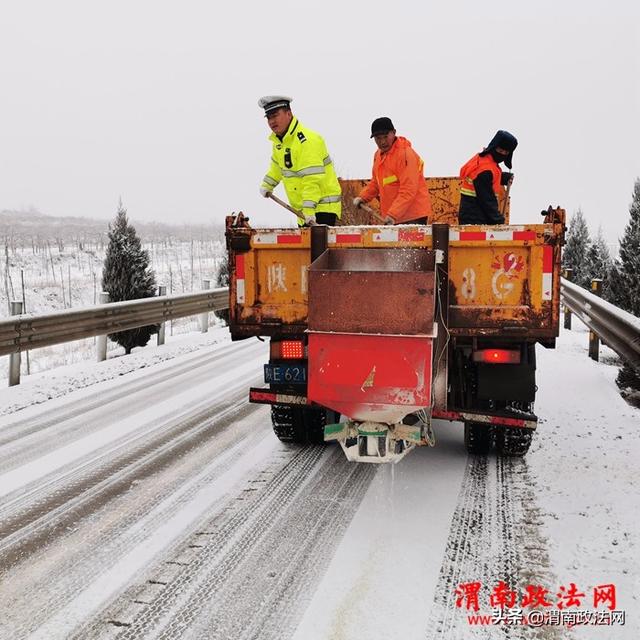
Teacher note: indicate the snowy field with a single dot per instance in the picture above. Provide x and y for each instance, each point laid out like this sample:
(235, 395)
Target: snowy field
(51, 265)
(147, 499)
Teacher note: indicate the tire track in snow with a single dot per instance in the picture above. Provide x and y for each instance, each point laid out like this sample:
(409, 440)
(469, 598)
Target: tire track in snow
(45, 580)
(30, 436)
(70, 498)
(190, 590)
(91, 474)
(255, 566)
(494, 536)
(266, 596)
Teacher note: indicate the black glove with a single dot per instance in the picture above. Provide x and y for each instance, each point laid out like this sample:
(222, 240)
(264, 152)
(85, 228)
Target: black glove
(506, 178)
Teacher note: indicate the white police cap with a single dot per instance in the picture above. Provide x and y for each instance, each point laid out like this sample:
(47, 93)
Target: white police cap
(271, 103)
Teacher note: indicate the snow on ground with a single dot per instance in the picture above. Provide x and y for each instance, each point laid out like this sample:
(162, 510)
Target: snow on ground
(585, 458)
(66, 272)
(53, 383)
(69, 275)
(583, 466)
(129, 566)
(381, 582)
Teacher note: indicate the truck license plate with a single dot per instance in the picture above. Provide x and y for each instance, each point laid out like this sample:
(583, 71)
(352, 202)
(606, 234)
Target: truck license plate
(285, 374)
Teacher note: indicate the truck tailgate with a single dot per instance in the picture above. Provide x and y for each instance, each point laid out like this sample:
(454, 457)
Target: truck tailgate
(503, 280)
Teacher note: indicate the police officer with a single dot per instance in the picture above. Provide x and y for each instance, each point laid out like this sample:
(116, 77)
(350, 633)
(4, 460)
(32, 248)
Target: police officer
(301, 161)
(482, 181)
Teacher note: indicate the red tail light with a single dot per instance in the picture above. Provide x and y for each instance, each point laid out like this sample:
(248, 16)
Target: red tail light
(287, 350)
(497, 356)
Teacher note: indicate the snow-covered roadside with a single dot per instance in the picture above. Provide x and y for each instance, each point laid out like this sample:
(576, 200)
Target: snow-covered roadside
(585, 461)
(581, 470)
(60, 381)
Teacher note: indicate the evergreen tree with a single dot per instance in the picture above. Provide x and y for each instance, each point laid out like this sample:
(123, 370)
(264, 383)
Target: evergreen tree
(599, 262)
(574, 255)
(625, 275)
(126, 275)
(625, 280)
(222, 280)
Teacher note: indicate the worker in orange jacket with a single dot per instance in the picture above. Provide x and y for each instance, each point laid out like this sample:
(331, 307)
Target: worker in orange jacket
(482, 181)
(397, 178)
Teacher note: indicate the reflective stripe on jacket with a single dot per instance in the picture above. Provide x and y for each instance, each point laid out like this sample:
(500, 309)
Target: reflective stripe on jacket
(470, 171)
(301, 161)
(398, 181)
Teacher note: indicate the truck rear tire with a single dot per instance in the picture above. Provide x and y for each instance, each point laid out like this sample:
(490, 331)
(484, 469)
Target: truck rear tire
(478, 437)
(513, 442)
(298, 424)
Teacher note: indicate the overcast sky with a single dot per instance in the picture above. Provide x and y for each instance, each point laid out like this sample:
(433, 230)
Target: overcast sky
(157, 101)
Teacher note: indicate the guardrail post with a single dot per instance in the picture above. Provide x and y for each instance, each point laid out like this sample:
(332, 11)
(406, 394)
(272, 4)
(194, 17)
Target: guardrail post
(567, 311)
(594, 341)
(14, 358)
(101, 343)
(204, 317)
(162, 291)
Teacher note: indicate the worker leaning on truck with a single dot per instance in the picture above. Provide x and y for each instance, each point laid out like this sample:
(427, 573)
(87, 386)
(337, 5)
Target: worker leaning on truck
(397, 177)
(482, 181)
(301, 160)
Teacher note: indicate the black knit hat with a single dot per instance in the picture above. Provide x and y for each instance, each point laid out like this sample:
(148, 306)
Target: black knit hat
(381, 125)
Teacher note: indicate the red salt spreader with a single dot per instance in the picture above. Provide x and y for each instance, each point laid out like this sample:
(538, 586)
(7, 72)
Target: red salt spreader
(370, 347)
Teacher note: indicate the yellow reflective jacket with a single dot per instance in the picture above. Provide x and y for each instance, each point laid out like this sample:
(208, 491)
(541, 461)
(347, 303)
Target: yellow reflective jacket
(302, 162)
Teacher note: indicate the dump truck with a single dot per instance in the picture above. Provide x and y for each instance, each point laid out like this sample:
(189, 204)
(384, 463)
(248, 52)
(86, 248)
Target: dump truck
(376, 330)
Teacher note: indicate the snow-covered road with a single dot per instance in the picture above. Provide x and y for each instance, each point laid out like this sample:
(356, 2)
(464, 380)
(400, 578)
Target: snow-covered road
(158, 504)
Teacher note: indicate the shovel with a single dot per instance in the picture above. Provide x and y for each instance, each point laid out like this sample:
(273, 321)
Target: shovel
(297, 214)
(374, 214)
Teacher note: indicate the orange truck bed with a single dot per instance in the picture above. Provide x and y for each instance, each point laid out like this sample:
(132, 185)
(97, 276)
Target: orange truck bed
(503, 280)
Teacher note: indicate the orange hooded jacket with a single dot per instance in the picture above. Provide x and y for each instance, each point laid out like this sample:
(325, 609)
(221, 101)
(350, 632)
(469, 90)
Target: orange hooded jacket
(398, 181)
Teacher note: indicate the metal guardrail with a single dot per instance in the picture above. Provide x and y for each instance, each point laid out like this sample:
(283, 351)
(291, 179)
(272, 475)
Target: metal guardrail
(24, 332)
(618, 329)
